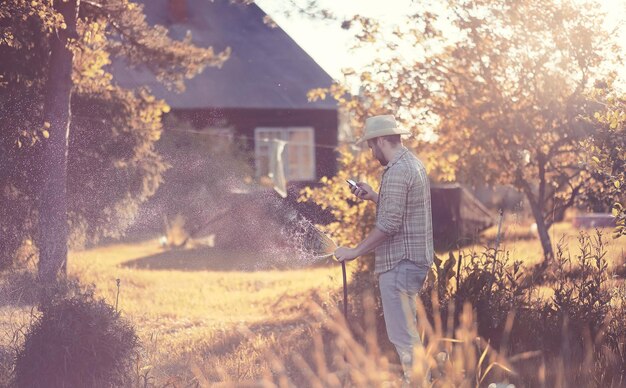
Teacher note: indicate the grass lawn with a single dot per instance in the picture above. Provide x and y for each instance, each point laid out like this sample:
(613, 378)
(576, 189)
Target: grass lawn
(189, 305)
(521, 242)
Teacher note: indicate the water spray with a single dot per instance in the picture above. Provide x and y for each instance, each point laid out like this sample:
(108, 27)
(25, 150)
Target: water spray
(313, 244)
(328, 246)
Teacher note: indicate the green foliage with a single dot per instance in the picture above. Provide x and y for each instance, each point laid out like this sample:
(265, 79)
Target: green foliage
(585, 300)
(354, 217)
(77, 340)
(486, 281)
(568, 313)
(500, 89)
(607, 152)
(129, 36)
(441, 274)
(113, 166)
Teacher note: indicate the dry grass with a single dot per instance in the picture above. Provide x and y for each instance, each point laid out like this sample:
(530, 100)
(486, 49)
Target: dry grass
(522, 243)
(190, 317)
(206, 318)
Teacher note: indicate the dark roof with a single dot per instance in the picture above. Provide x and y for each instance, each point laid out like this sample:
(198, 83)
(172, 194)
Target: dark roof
(266, 69)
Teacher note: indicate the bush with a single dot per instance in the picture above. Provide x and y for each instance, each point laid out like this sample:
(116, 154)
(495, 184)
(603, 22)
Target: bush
(563, 322)
(77, 341)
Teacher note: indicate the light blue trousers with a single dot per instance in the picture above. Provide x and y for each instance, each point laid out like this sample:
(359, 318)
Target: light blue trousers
(398, 290)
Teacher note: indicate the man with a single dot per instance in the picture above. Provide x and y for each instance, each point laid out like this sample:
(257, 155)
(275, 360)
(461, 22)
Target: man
(402, 237)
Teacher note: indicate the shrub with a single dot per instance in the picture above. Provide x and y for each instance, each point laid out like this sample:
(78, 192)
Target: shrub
(337, 358)
(19, 288)
(563, 322)
(585, 298)
(77, 341)
(6, 361)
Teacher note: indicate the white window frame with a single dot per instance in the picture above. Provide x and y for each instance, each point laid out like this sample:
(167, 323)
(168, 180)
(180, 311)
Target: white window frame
(292, 173)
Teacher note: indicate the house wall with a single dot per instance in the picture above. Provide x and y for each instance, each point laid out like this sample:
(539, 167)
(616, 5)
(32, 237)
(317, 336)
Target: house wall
(244, 121)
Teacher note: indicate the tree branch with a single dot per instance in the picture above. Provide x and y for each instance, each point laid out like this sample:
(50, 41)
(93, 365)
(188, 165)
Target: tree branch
(559, 210)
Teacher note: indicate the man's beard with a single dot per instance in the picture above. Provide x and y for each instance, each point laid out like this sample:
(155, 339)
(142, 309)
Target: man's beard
(378, 154)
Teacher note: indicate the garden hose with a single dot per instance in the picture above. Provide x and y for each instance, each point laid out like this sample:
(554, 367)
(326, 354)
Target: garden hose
(345, 291)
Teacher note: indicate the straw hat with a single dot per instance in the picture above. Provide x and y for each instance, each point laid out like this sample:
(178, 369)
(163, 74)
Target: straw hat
(384, 125)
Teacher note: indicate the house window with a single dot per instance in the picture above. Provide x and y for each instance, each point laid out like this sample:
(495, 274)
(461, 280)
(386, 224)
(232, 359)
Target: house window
(299, 155)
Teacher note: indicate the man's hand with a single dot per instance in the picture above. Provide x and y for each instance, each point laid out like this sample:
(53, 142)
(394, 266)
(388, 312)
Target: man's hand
(345, 254)
(364, 191)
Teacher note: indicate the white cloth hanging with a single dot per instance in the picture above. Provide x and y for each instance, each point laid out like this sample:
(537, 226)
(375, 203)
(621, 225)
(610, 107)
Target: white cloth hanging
(277, 168)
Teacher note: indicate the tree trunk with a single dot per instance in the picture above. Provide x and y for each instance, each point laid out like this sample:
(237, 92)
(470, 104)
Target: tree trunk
(52, 201)
(542, 230)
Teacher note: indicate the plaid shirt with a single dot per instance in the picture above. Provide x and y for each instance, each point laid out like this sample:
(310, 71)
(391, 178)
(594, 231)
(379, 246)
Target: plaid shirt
(403, 213)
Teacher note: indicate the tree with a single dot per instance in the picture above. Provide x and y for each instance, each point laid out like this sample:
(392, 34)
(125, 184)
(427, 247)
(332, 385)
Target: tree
(502, 88)
(97, 134)
(355, 217)
(52, 166)
(606, 152)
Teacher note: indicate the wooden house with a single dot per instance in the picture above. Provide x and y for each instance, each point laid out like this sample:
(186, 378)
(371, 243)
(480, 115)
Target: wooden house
(259, 94)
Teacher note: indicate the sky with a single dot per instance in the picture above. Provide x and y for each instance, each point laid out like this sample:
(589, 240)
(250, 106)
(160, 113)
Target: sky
(329, 45)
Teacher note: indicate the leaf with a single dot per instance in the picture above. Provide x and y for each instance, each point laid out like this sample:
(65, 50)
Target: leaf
(491, 367)
(482, 358)
(449, 263)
